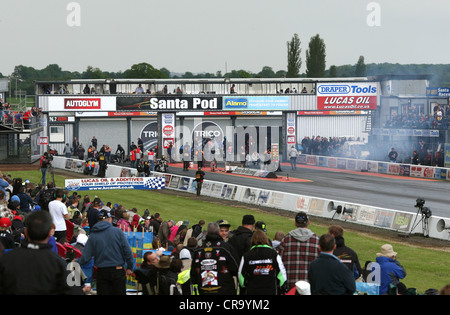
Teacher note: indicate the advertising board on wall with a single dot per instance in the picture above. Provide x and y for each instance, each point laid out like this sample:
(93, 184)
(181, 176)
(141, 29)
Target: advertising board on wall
(115, 183)
(169, 103)
(81, 104)
(265, 103)
(347, 96)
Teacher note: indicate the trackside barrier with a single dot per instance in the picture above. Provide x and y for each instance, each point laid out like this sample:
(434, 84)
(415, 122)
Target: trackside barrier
(390, 219)
(423, 171)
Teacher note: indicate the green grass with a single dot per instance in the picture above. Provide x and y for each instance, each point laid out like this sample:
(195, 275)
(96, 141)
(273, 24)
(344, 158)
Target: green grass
(426, 268)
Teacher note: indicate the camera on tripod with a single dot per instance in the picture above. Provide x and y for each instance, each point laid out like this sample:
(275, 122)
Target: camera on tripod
(425, 211)
(426, 215)
(419, 202)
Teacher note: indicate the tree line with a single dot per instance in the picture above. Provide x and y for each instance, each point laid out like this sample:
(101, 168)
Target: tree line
(315, 63)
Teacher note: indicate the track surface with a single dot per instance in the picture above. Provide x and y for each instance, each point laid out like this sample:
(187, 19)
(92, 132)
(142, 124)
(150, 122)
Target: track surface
(378, 190)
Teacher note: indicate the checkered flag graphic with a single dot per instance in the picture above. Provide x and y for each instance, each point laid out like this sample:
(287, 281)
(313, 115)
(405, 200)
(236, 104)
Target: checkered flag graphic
(155, 183)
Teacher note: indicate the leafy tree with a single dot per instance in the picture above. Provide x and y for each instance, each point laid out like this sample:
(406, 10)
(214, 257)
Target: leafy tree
(281, 74)
(144, 70)
(315, 58)
(93, 73)
(360, 70)
(165, 71)
(266, 72)
(293, 57)
(238, 74)
(333, 72)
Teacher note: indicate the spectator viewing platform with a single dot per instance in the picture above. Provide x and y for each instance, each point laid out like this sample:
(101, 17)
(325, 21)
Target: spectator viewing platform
(185, 86)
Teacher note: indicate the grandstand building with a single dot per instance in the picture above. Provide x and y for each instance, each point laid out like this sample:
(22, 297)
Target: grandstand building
(163, 111)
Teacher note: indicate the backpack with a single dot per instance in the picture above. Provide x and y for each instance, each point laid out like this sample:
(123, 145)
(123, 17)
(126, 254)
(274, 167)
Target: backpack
(167, 285)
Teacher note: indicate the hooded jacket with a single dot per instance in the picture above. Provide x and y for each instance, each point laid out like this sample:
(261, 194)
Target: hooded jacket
(108, 246)
(241, 240)
(391, 271)
(297, 250)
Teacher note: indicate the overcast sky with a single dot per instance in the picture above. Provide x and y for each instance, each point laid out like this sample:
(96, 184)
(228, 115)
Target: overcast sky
(212, 35)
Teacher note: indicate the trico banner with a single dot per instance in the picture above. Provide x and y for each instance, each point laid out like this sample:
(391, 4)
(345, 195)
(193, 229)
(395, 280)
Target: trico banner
(115, 183)
(347, 96)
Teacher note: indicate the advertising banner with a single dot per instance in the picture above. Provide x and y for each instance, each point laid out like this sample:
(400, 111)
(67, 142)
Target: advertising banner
(82, 104)
(168, 103)
(347, 96)
(168, 129)
(115, 183)
(265, 103)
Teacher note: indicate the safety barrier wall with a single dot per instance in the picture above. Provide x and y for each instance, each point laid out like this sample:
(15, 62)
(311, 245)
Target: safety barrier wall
(424, 171)
(390, 219)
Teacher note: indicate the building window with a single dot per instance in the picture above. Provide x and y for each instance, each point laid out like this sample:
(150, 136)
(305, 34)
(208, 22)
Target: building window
(57, 134)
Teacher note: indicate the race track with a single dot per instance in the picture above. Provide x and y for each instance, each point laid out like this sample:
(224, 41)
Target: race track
(378, 190)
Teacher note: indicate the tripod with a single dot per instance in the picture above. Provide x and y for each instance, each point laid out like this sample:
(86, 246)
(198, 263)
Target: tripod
(426, 213)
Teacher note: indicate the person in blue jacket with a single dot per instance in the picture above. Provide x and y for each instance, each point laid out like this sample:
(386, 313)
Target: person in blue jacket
(391, 271)
(112, 254)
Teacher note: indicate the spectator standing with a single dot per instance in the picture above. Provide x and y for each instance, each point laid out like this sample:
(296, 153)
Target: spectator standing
(224, 229)
(164, 233)
(327, 275)
(242, 236)
(109, 248)
(75, 144)
(293, 157)
(391, 271)
(67, 150)
(199, 177)
(59, 213)
(415, 158)
(94, 142)
(347, 255)
(393, 155)
(93, 212)
(80, 152)
(298, 249)
(214, 276)
(45, 163)
(261, 271)
(34, 268)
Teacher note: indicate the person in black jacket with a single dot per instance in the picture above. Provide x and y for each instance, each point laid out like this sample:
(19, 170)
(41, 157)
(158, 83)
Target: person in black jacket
(261, 271)
(241, 237)
(48, 277)
(214, 265)
(327, 275)
(347, 255)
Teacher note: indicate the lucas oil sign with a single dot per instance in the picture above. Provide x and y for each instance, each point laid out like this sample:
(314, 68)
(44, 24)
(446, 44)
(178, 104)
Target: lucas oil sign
(347, 96)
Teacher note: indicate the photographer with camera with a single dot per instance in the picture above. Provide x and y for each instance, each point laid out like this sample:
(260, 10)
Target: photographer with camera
(46, 163)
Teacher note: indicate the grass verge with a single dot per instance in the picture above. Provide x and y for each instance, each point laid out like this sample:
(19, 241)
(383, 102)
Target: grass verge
(426, 268)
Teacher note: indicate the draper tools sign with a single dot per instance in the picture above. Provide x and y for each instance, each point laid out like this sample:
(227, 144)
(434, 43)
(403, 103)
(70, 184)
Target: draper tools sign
(346, 96)
(115, 183)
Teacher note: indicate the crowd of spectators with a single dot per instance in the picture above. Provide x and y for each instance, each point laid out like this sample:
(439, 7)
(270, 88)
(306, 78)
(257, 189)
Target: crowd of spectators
(418, 152)
(325, 146)
(414, 119)
(94, 233)
(17, 118)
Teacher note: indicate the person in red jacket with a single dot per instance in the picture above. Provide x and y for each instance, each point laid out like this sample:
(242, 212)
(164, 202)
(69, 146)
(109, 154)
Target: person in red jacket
(27, 119)
(133, 158)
